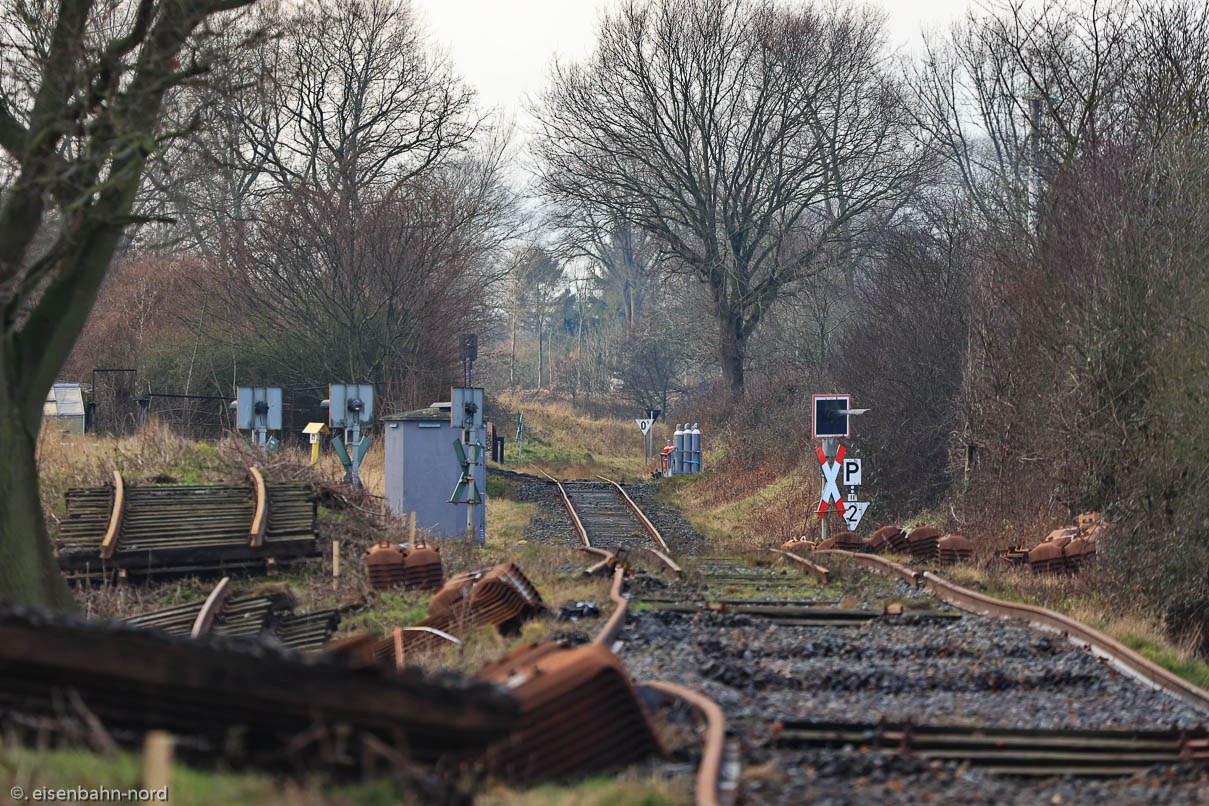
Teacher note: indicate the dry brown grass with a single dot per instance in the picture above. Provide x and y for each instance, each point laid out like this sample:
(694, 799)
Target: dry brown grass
(567, 444)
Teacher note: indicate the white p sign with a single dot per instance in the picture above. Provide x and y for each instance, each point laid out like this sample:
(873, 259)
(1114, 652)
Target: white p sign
(852, 473)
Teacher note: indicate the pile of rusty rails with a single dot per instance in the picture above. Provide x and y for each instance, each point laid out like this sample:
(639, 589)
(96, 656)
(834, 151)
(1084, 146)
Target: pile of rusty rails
(411, 568)
(1011, 751)
(268, 617)
(240, 702)
(1064, 550)
(500, 596)
(923, 543)
(120, 531)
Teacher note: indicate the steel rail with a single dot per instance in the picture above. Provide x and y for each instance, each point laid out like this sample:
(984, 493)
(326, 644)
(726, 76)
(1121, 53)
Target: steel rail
(117, 512)
(650, 527)
(1044, 619)
(596, 568)
(579, 527)
(583, 532)
(260, 519)
(613, 626)
(710, 789)
(211, 609)
(1014, 751)
(877, 563)
(820, 573)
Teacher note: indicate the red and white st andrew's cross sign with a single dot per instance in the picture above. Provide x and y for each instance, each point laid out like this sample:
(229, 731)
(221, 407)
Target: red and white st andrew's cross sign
(831, 472)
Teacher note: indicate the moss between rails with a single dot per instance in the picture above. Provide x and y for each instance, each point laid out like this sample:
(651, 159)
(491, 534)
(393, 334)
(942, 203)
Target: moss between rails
(67, 769)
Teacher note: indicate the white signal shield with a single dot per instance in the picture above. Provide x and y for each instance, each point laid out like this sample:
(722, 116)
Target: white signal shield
(644, 425)
(853, 512)
(852, 472)
(831, 473)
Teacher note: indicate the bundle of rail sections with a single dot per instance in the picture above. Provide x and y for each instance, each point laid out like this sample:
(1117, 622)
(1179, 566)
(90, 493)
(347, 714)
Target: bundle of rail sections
(280, 707)
(127, 531)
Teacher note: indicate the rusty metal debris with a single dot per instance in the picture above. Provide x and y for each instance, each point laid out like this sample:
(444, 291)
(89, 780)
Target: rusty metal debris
(500, 596)
(139, 531)
(413, 569)
(566, 695)
(848, 541)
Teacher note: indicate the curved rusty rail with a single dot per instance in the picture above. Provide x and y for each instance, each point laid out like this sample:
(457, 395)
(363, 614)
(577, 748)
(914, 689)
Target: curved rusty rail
(613, 626)
(1114, 650)
(820, 573)
(110, 540)
(211, 609)
(596, 568)
(879, 564)
(1044, 619)
(260, 518)
(710, 791)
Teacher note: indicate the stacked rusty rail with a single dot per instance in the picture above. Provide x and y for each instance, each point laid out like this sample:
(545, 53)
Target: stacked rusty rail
(500, 596)
(1018, 751)
(283, 709)
(269, 617)
(415, 568)
(567, 694)
(143, 531)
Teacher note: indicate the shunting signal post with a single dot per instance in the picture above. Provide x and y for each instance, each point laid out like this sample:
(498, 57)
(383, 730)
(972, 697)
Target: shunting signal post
(830, 422)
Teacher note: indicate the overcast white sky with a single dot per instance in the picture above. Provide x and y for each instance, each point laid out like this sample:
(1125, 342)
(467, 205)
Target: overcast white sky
(504, 47)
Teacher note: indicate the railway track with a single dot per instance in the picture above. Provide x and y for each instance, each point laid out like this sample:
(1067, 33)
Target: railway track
(829, 669)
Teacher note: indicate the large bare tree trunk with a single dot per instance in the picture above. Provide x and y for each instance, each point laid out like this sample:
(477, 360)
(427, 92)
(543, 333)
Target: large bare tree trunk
(732, 350)
(29, 573)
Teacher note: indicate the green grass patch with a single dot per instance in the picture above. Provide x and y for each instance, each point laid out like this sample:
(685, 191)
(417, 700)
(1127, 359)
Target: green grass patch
(389, 610)
(627, 789)
(1194, 670)
(67, 769)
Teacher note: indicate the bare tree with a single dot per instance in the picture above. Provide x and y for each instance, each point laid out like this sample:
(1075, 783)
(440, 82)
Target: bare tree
(376, 197)
(1010, 97)
(359, 100)
(79, 120)
(722, 128)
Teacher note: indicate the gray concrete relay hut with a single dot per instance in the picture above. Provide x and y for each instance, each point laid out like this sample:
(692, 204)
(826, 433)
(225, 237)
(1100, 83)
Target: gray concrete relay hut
(422, 471)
